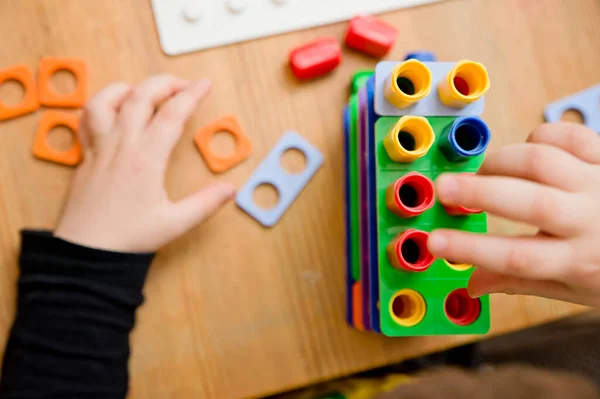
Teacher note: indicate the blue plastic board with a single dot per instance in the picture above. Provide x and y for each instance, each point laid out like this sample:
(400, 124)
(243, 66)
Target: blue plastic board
(287, 185)
(373, 298)
(430, 105)
(587, 102)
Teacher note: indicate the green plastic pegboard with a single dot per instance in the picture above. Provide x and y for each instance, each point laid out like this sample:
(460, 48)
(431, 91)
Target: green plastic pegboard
(439, 280)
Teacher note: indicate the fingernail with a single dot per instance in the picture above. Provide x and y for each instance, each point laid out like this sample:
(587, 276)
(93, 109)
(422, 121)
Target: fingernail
(447, 187)
(437, 242)
(474, 294)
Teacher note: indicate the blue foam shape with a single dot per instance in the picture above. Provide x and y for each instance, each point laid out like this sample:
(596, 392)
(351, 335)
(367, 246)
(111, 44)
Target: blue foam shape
(423, 56)
(372, 210)
(430, 105)
(349, 281)
(288, 185)
(586, 102)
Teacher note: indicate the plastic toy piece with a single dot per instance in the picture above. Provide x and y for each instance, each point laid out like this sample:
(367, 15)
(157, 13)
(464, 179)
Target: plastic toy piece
(466, 83)
(288, 185)
(461, 309)
(431, 105)
(407, 308)
(48, 67)
(409, 139)
(466, 138)
(316, 58)
(228, 124)
(30, 103)
(408, 251)
(410, 195)
(423, 56)
(371, 36)
(585, 102)
(407, 83)
(43, 150)
(461, 267)
(359, 80)
(357, 307)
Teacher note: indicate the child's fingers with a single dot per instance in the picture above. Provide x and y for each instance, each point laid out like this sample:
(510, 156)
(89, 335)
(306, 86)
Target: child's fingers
(548, 208)
(538, 257)
(100, 113)
(540, 163)
(140, 105)
(571, 137)
(167, 125)
(197, 207)
(483, 282)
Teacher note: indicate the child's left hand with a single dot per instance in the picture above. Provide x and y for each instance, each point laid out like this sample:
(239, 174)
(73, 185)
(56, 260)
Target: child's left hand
(118, 201)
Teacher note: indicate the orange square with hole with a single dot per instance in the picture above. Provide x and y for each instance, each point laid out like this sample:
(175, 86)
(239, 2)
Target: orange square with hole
(41, 145)
(30, 102)
(243, 146)
(50, 98)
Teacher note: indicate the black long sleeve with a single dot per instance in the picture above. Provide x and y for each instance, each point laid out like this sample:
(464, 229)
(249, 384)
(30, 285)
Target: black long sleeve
(75, 309)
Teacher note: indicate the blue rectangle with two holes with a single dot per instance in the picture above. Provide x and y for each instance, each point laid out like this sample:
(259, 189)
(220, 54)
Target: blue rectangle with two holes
(288, 185)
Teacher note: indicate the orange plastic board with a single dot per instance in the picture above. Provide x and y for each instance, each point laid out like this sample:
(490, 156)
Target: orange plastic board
(242, 150)
(48, 67)
(41, 146)
(30, 102)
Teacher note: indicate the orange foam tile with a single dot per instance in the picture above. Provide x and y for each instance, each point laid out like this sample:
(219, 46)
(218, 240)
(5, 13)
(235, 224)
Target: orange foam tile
(41, 146)
(30, 102)
(242, 150)
(48, 67)
(357, 314)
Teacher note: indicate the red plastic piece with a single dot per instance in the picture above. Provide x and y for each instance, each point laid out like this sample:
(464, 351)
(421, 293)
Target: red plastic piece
(461, 210)
(315, 58)
(410, 195)
(408, 251)
(371, 36)
(461, 309)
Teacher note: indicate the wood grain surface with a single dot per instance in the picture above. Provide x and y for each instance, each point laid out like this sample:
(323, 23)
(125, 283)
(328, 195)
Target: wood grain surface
(234, 310)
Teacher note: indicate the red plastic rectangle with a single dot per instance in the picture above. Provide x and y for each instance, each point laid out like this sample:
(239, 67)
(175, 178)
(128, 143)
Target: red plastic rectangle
(371, 36)
(316, 58)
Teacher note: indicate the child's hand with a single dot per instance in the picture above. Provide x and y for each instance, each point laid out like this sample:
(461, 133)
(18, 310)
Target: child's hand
(118, 201)
(551, 182)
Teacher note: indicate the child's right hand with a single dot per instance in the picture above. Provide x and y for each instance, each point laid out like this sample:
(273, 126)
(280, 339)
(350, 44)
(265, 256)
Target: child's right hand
(551, 182)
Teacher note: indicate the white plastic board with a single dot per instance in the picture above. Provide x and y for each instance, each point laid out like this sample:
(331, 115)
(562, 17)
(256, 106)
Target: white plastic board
(190, 25)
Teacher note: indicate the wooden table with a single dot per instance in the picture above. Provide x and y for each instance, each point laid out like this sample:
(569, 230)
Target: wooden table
(234, 310)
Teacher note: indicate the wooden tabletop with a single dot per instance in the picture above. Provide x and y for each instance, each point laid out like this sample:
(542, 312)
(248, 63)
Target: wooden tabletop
(234, 310)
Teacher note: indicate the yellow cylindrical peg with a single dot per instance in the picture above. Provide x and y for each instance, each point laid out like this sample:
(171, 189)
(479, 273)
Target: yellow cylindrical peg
(409, 82)
(466, 83)
(409, 139)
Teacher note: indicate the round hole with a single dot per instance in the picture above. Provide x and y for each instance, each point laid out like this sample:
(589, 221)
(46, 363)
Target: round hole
(461, 309)
(12, 92)
(572, 115)
(407, 308)
(293, 161)
(411, 251)
(61, 138)
(407, 141)
(63, 82)
(222, 144)
(461, 85)
(266, 196)
(468, 137)
(405, 85)
(409, 196)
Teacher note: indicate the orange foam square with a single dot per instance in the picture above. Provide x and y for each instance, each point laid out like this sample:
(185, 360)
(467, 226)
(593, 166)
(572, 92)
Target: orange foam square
(48, 67)
(243, 146)
(30, 103)
(41, 146)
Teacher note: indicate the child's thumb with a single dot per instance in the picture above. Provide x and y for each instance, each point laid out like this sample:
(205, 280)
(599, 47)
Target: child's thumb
(199, 206)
